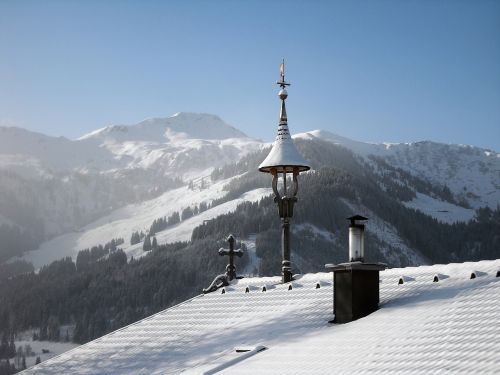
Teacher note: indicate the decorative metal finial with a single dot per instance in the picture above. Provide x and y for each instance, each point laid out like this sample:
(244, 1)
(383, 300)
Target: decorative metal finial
(224, 279)
(282, 82)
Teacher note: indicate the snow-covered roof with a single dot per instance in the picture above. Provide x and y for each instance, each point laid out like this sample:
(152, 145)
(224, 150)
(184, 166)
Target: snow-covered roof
(422, 326)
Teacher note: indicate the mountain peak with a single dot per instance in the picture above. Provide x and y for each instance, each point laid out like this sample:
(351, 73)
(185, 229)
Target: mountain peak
(180, 125)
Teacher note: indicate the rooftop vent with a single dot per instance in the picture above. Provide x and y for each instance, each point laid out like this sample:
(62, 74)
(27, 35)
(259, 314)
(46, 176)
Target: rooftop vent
(475, 274)
(439, 277)
(405, 279)
(355, 284)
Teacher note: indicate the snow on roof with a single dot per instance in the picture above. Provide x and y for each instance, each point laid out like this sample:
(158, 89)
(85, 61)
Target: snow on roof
(422, 326)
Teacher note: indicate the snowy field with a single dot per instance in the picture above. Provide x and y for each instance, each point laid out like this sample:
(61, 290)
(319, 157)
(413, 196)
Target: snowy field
(445, 212)
(123, 222)
(42, 349)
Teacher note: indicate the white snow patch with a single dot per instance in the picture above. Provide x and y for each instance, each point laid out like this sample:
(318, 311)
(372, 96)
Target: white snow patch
(123, 222)
(37, 347)
(182, 231)
(445, 212)
(327, 235)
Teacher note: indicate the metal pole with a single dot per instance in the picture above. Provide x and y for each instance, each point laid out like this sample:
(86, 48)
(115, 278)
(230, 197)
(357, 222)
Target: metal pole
(284, 184)
(286, 267)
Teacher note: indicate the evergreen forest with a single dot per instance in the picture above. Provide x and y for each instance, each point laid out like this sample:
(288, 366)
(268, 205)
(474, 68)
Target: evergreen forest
(101, 290)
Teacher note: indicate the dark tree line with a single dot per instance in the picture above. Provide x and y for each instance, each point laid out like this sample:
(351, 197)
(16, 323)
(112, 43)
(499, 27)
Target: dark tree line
(149, 244)
(7, 368)
(103, 294)
(8, 352)
(17, 267)
(136, 237)
(15, 241)
(164, 222)
(85, 258)
(101, 291)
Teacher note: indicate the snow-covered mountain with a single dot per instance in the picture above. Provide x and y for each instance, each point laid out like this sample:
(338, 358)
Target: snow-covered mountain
(471, 173)
(69, 183)
(117, 180)
(180, 125)
(34, 155)
(184, 145)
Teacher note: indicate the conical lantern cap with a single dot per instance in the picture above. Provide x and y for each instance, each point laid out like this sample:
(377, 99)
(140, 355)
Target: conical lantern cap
(284, 156)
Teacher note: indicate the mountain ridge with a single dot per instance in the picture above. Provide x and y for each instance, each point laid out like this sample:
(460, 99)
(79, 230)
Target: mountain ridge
(181, 124)
(129, 167)
(472, 173)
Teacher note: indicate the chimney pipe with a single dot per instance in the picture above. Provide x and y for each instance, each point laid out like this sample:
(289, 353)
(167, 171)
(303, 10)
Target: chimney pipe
(356, 239)
(356, 283)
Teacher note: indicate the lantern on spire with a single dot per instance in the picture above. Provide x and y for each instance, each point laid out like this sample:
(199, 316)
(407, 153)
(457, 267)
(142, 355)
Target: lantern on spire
(284, 159)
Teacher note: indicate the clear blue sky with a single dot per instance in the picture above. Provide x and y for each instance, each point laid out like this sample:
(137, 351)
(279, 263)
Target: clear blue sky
(368, 70)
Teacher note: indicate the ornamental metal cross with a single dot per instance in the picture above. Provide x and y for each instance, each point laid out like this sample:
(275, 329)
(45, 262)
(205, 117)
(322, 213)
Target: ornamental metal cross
(230, 268)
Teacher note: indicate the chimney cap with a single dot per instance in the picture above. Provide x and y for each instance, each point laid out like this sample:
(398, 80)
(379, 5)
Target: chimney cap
(356, 217)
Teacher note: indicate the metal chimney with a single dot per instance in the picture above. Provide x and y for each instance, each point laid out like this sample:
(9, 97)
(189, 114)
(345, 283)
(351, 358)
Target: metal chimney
(356, 239)
(356, 283)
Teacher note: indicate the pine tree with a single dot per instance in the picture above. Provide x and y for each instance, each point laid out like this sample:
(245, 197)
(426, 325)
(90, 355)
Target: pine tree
(37, 360)
(135, 238)
(203, 206)
(12, 347)
(147, 243)
(174, 218)
(4, 347)
(186, 213)
(53, 332)
(154, 244)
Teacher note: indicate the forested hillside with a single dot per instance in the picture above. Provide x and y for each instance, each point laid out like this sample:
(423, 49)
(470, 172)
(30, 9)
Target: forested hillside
(342, 184)
(101, 290)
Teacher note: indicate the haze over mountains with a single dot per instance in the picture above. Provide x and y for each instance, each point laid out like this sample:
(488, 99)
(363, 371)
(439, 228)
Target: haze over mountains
(170, 144)
(66, 195)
